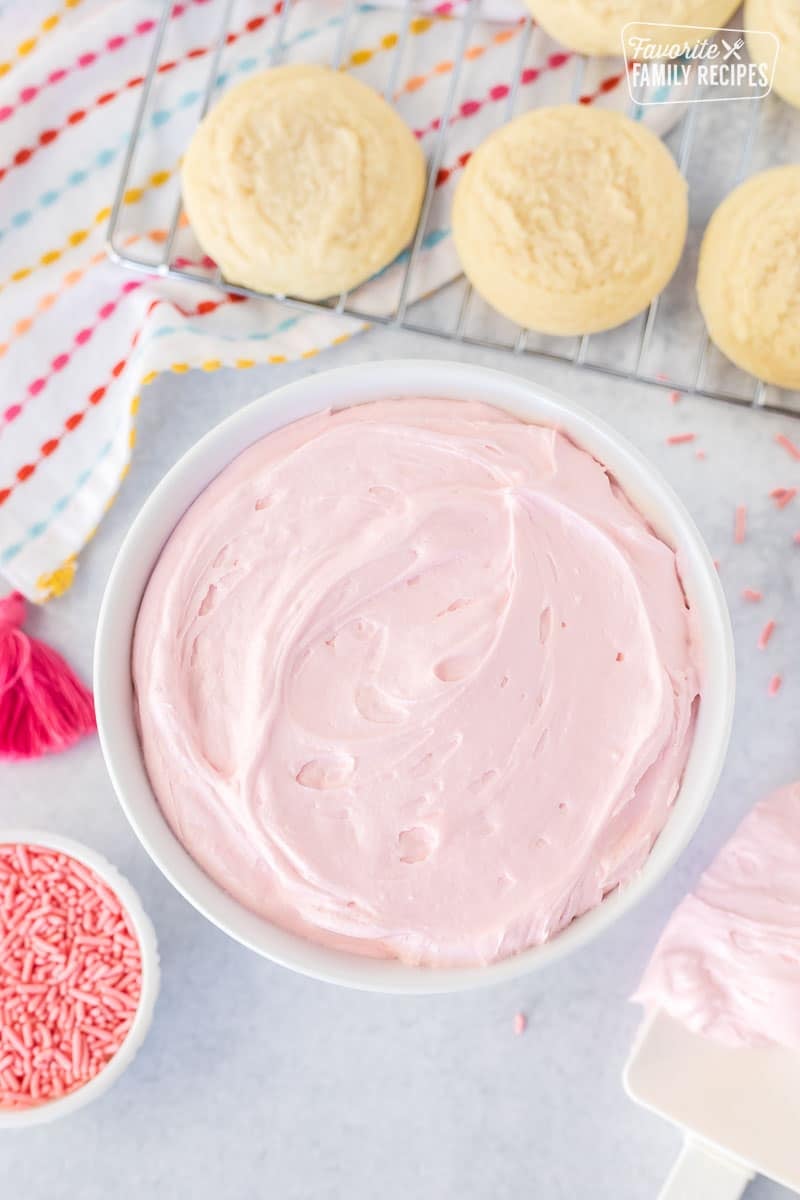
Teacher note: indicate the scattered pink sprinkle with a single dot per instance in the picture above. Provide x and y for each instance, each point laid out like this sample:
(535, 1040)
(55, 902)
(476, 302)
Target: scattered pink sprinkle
(520, 1023)
(774, 685)
(765, 635)
(701, 454)
(678, 439)
(674, 397)
(664, 378)
(788, 445)
(740, 526)
(783, 496)
(70, 975)
(752, 595)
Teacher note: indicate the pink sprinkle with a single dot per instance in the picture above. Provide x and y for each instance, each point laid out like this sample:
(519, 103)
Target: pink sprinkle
(114, 43)
(765, 635)
(131, 285)
(5, 112)
(107, 310)
(35, 386)
(83, 335)
(783, 496)
(558, 60)
(469, 107)
(60, 361)
(145, 26)
(797, 538)
(77, 1051)
(788, 445)
(28, 93)
(774, 685)
(57, 76)
(520, 1023)
(700, 454)
(662, 377)
(58, 1028)
(13, 412)
(530, 75)
(752, 595)
(86, 60)
(740, 526)
(679, 439)
(499, 92)
(674, 397)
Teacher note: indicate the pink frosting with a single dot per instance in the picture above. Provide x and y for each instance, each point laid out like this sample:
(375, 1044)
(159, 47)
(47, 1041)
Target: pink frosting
(416, 679)
(728, 963)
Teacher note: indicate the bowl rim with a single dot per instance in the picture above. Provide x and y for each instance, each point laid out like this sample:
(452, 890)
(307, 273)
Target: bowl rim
(355, 384)
(51, 1110)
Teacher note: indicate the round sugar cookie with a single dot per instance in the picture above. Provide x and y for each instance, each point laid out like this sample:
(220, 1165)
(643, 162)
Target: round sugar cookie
(748, 277)
(303, 181)
(782, 18)
(570, 220)
(595, 26)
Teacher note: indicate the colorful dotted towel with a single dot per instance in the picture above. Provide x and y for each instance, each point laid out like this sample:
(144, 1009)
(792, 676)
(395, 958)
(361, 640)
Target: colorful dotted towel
(80, 337)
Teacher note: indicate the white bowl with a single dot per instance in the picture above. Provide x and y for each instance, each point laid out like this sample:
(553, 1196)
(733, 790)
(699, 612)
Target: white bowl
(337, 389)
(50, 1110)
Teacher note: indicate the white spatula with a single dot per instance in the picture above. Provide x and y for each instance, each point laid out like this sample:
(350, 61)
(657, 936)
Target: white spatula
(739, 1109)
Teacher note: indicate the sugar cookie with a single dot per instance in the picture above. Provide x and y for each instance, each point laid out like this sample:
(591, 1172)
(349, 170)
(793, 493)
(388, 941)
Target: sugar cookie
(303, 181)
(570, 219)
(748, 279)
(595, 26)
(763, 17)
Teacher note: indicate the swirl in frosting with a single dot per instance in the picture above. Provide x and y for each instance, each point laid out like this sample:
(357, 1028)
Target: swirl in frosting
(415, 679)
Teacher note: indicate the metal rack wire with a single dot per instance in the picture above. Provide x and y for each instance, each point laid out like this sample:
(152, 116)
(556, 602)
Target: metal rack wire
(458, 308)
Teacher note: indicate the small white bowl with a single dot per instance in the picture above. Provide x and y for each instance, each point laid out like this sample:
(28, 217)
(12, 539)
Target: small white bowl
(338, 389)
(51, 1110)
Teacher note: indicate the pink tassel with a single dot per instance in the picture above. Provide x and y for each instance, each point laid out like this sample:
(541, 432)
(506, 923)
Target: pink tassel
(43, 706)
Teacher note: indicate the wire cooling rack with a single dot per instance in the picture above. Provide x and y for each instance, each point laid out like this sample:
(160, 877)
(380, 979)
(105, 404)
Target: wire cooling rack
(715, 145)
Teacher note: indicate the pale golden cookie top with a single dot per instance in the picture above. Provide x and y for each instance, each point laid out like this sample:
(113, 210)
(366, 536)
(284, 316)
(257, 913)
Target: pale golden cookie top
(748, 280)
(763, 18)
(569, 220)
(595, 26)
(303, 181)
